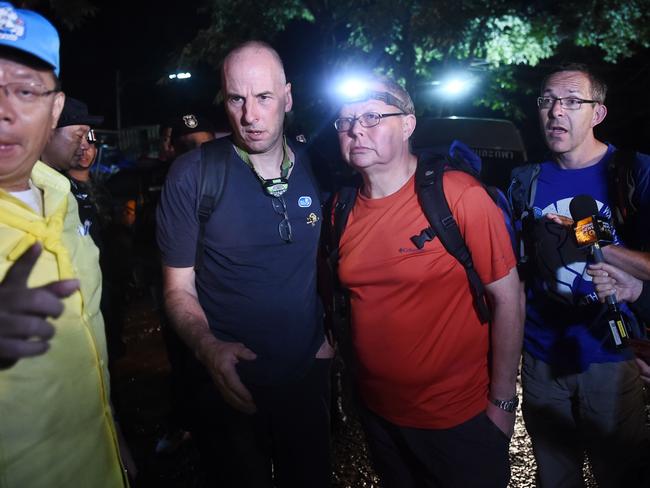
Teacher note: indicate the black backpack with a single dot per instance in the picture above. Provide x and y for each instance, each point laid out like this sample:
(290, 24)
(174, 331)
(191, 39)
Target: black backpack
(429, 187)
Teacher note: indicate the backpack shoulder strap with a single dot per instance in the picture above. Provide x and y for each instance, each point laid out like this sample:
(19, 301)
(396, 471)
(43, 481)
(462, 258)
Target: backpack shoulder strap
(343, 203)
(521, 197)
(335, 297)
(621, 185)
(521, 192)
(429, 187)
(213, 172)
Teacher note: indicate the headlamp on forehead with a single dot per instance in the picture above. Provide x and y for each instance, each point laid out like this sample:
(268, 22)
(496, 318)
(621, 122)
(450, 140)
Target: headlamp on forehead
(355, 90)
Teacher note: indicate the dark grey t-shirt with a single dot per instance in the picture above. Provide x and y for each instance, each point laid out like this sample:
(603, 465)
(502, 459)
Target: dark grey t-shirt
(254, 287)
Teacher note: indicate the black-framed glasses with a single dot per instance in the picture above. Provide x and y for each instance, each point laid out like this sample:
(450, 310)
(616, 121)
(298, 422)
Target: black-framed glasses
(284, 227)
(369, 119)
(25, 92)
(570, 103)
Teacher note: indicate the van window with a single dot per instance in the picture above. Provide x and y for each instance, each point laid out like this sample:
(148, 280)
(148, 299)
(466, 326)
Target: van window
(496, 141)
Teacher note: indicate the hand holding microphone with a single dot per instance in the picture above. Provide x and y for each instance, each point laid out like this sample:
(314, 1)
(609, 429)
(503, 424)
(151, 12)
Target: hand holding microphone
(591, 230)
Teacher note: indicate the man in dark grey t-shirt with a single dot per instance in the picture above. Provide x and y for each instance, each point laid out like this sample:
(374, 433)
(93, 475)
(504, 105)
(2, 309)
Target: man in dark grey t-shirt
(251, 314)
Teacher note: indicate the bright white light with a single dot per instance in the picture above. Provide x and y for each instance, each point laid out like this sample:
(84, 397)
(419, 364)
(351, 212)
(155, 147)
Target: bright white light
(352, 87)
(455, 86)
(180, 76)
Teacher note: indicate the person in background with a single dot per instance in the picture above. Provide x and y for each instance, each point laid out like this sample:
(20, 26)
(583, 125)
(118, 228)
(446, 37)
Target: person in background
(70, 142)
(81, 170)
(189, 131)
(72, 151)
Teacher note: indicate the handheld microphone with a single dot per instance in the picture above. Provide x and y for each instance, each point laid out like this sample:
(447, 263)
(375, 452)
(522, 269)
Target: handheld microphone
(590, 231)
(590, 228)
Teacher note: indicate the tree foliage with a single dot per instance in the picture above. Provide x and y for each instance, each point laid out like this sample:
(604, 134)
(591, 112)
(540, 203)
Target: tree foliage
(233, 21)
(419, 40)
(72, 13)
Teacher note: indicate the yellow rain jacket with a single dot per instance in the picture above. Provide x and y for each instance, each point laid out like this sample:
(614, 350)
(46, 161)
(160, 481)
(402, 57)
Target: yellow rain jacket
(56, 426)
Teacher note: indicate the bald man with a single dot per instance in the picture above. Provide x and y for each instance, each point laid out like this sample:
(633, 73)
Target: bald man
(251, 313)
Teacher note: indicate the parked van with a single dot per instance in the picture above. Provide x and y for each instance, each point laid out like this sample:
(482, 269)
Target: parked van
(496, 141)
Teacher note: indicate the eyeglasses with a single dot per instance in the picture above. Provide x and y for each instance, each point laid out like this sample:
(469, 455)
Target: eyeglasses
(366, 120)
(570, 103)
(284, 227)
(26, 92)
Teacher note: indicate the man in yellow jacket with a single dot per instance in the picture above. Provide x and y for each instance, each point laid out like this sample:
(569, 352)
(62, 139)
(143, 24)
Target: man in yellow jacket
(56, 425)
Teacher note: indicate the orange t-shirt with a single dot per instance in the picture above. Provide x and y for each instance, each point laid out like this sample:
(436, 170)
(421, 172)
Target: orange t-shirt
(421, 349)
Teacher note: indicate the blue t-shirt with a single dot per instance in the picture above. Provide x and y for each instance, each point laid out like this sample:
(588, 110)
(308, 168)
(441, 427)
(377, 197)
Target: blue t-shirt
(254, 287)
(565, 323)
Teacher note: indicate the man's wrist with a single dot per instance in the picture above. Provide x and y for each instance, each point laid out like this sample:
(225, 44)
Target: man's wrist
(509, 405)
(205, 346)
(641, 304)
(636, 289)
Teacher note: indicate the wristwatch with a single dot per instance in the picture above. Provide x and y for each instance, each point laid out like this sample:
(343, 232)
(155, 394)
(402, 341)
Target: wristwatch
(507, 405)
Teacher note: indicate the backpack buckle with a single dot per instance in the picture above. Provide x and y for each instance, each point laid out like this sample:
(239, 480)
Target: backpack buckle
(428, 177)
(425, 236)
(448, 222)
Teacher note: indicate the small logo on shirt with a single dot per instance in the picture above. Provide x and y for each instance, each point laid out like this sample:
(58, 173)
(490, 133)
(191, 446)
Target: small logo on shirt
(304, 202)
(409, 250)
(312, 218)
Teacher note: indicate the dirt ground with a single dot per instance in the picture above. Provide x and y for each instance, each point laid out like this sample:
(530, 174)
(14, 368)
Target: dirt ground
(142, 398)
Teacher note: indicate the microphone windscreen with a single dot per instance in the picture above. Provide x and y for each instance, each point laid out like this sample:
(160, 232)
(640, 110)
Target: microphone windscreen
(583, 206)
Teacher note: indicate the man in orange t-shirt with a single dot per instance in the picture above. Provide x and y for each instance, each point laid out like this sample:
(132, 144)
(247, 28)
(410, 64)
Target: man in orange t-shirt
(437, 386)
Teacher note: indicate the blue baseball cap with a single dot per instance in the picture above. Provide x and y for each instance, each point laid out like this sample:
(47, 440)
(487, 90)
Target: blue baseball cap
(30, 33)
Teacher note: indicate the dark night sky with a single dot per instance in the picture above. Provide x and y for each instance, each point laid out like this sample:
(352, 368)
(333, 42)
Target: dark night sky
(139, 37)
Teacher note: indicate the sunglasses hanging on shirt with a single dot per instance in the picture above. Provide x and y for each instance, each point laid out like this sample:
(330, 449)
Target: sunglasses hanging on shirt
(274, 187)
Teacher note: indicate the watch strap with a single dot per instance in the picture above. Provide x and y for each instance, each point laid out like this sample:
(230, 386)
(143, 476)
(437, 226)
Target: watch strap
(507, 405)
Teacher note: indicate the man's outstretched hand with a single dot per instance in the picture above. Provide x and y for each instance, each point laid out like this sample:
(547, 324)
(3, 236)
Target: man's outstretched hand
(24, 330)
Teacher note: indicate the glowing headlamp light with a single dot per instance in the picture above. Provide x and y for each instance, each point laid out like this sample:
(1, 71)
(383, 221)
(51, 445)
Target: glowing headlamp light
(357, 90)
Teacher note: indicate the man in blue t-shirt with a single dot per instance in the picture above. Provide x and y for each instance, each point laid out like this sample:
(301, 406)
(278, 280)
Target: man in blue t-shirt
(251, 314)
(579, 391)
